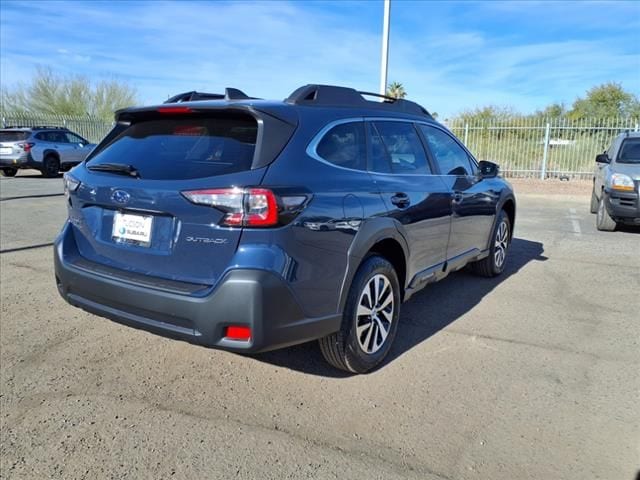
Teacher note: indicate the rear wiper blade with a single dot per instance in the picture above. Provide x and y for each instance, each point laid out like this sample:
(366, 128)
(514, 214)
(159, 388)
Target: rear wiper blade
(119, 168)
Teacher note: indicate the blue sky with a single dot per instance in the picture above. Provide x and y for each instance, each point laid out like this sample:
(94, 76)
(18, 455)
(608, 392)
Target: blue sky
(450, 56)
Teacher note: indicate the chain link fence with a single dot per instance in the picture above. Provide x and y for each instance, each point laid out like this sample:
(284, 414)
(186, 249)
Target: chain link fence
(92, 129)
(523, 147)
(531, 147)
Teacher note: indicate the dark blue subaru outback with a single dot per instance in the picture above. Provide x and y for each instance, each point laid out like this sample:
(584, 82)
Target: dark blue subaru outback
(251, 225)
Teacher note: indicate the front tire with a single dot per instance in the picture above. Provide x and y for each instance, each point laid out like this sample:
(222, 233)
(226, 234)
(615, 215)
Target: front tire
(370, 319)
(594, 201)
(9, 172)
(604, 222)
(50, 167)
(493, 264)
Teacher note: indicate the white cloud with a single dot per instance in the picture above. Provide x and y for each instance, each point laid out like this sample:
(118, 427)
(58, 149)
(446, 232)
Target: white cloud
(270, 48)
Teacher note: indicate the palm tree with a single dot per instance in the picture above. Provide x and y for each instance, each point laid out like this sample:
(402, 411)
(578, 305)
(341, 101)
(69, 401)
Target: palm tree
(396, 90)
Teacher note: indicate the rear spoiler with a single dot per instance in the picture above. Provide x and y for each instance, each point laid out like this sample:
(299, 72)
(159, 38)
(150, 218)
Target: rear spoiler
(229, 95)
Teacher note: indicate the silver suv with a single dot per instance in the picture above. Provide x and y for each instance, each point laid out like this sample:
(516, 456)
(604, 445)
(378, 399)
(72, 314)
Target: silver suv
(48, 149)
(616, 183)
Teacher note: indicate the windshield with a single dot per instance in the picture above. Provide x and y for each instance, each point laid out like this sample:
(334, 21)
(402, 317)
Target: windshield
(630, 151)
(178, 149)
(13, 135)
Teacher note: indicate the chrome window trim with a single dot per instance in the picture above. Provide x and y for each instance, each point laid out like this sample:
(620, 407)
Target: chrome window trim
(313, 145)
(311, 148)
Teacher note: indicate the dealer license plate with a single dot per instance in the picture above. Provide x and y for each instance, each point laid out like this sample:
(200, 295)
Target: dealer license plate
(132, 228)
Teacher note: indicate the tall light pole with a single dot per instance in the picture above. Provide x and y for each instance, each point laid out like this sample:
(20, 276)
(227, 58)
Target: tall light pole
(385, 48)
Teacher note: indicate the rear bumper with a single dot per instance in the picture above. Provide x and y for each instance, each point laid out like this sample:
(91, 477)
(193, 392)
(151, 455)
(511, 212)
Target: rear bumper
(623, 206)
(15, 161)
(258, 299)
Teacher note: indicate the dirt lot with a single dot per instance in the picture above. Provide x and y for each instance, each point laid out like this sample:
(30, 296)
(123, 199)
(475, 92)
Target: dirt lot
(532, 375)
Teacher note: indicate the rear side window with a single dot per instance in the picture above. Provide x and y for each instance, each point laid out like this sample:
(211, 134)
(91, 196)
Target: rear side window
(345, 146)
(53, 137)
(629, 151)
(178, 149)
(396, 147)
(451, 157)
(73, 138)
(13, 135)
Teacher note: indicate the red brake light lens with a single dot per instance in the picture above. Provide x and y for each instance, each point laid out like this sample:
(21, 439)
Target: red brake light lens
(261, 209)
(27, 146)
(174, 110)
(249, 207)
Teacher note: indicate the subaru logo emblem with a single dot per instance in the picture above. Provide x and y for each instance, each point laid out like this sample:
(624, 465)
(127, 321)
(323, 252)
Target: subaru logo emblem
(120, 196)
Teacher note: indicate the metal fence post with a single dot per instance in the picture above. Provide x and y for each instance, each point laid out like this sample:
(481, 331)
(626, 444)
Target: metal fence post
(636, 128)
(466, 133)
(543, 171)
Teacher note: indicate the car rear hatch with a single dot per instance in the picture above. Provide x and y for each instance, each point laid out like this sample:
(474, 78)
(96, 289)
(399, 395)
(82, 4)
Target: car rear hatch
(132, 206)
(12, 141)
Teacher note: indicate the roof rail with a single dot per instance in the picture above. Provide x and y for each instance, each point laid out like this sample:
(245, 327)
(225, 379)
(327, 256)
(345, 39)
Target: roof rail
(326, 95)
(229, 94)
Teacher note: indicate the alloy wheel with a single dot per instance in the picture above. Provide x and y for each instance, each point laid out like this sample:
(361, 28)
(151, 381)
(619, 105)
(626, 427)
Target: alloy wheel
(374, 314)
(501, 244)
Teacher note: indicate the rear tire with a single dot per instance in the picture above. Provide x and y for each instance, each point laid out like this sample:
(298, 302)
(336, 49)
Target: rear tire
(369, 321)
(493, 264)
(594, 201)
(604, 222)
(9, 172)
(50, 167)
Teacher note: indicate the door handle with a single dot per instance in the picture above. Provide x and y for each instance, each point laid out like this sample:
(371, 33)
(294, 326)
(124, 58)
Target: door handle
(401, 200)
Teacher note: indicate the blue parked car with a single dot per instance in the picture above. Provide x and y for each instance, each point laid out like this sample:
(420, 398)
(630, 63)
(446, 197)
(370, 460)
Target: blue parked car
(251, 225)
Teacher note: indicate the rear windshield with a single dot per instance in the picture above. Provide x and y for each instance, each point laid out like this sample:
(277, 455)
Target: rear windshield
(13, 135)
(178, 149)
(630, 151)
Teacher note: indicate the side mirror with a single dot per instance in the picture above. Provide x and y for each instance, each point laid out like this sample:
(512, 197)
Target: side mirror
(488, 169)
(602, 158)
(81, 145)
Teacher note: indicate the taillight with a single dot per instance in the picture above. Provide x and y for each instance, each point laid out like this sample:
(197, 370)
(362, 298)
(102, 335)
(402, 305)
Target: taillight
(27, 146)
(70, 183)
(248, 207)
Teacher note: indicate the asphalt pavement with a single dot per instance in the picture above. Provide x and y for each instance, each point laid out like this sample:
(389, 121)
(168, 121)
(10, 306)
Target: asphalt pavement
(531, 375)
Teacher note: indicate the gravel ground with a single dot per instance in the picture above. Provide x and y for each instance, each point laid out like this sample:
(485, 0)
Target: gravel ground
(531, 375)
(551, 186)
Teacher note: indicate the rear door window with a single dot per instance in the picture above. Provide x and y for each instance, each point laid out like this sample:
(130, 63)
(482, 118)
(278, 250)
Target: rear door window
(53, 137)
(13, 135)
(184, 148)
(73, 138)
(451, 157)
(345, 146)
(396, 147)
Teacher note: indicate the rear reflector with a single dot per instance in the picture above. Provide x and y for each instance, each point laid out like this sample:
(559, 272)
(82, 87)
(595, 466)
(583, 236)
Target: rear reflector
(236, 332)
(249, 207)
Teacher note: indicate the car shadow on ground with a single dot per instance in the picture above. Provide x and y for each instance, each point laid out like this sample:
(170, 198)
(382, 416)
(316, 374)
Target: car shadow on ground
(425, 314)
(628, 228)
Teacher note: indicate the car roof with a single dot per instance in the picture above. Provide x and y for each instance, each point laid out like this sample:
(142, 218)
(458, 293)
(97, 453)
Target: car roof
(629, 134)
(321, 97)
